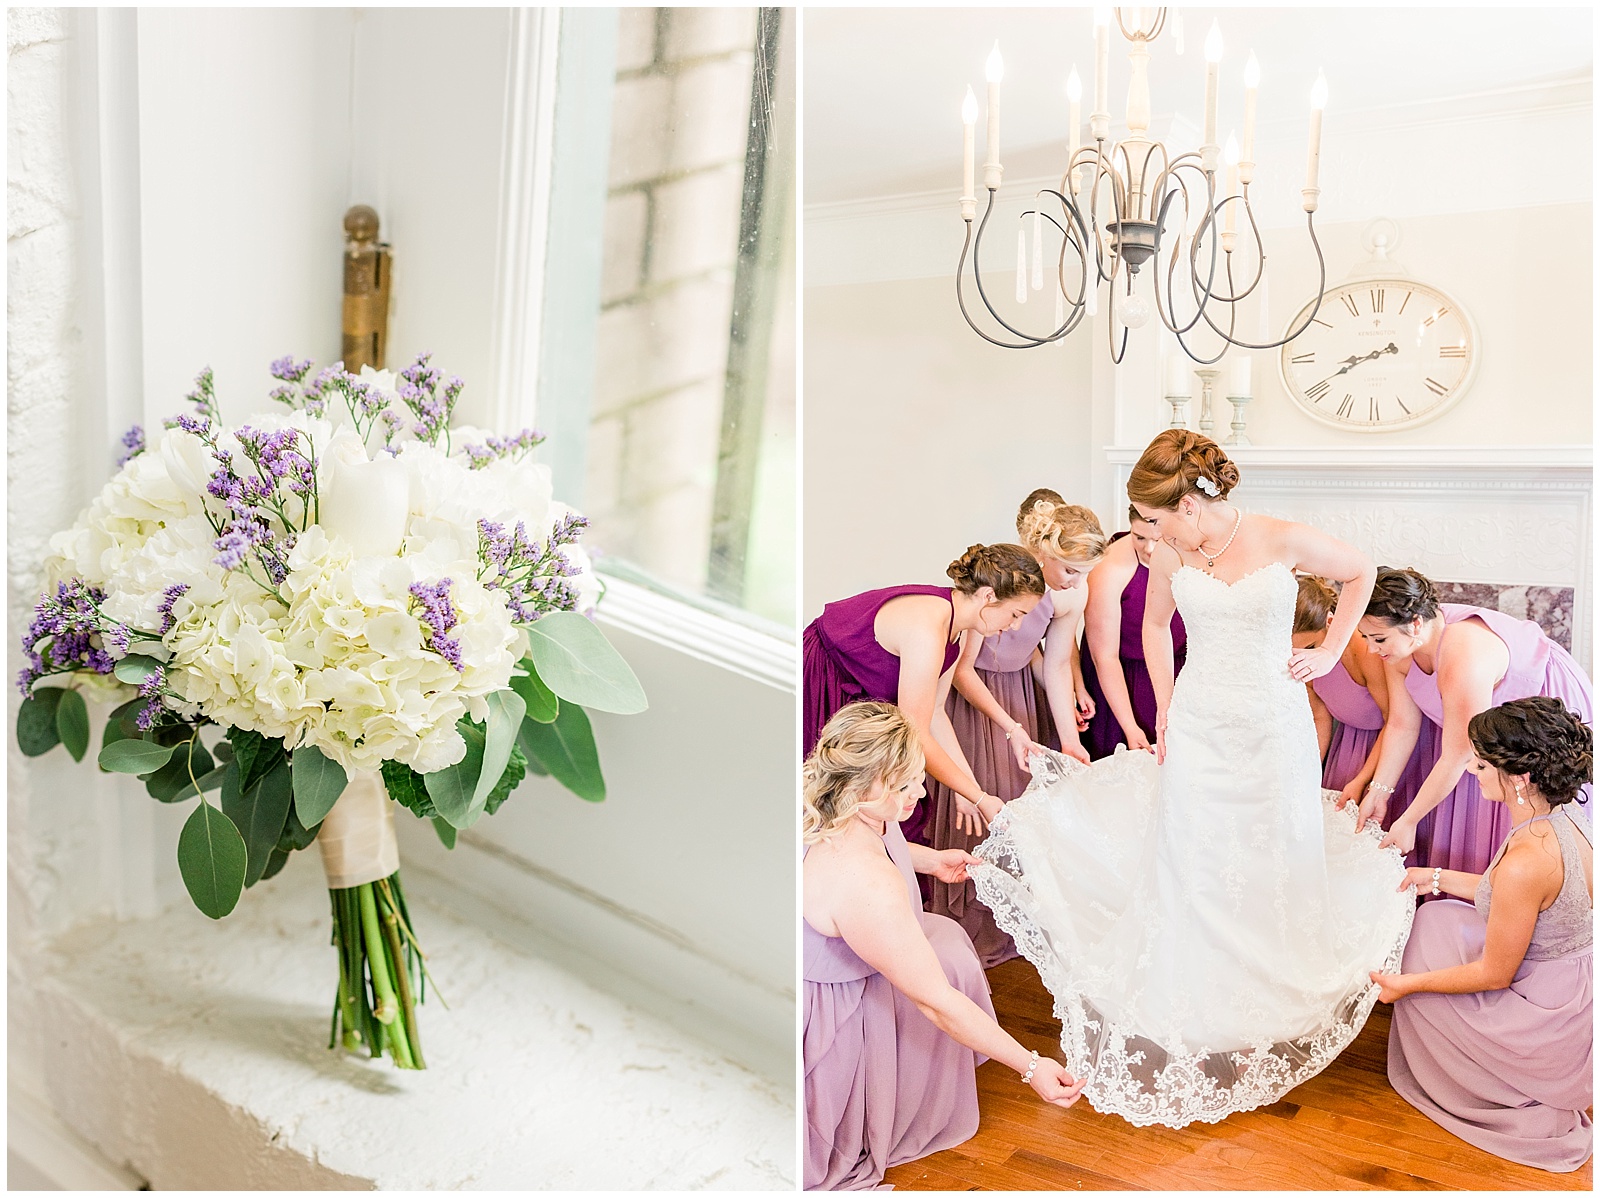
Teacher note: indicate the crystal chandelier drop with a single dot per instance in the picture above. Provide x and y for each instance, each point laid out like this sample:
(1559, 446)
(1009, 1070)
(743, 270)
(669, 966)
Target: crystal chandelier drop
(1124, 205)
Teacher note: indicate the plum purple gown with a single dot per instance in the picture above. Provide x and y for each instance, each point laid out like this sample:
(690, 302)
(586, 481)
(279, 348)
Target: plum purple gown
(1463, 830)
(1507, 1070)
(843, 663)
(883, 1084)
(1003, 664)
(1105, 734)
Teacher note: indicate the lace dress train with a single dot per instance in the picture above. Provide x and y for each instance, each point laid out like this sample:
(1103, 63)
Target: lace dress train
(1205, 926)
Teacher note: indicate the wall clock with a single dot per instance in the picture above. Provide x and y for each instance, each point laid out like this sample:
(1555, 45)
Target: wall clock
(1381, 354)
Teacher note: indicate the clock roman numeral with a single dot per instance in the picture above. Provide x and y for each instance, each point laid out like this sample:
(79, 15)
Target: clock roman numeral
(1436, 387)
(1377, 299)
(1372, 410)
(1403, 304)
(1323, 323)
(1349, 302)
(1434, 316)
(1452, 351)
(1316, 392)
(1402, 404)
(1302, 359)
(1345, 405)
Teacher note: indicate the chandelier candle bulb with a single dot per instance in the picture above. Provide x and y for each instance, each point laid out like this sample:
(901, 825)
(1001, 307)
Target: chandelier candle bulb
(993, 72)
(1038, 249)
(1230, 221)
(1213, 58)
(1177, 32)
(1100, 119)
(1022, 265)
(969, 121)
(1319, 100)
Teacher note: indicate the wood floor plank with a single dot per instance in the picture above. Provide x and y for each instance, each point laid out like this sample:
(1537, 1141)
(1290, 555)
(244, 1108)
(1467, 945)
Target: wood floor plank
(1345, 1129)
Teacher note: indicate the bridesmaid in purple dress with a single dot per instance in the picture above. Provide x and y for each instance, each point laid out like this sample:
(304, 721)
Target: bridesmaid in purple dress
(1493, 1033)
(899, 645)
(1351, 703)
(1447, 662)
(1114, 669)
(995, 707)
(897, 1011)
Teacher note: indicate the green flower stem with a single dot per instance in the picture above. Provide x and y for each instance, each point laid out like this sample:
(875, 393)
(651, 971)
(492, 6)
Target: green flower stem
(408, 1015)
(384, 1008)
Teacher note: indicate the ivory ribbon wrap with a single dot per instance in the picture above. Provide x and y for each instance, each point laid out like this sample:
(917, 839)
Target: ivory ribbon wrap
(357, 838)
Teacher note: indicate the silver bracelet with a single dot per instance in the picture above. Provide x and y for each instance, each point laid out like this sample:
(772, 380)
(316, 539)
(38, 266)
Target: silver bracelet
(1437, 870)
(1033, 1063)
(1380, 787)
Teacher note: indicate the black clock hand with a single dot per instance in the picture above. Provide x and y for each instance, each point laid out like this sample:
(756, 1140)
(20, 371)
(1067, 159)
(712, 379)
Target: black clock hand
(1352, 362)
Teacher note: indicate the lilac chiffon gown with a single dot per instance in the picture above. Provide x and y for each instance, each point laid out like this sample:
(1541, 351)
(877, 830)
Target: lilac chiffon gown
(883, 1084)
(1105, 734)
(843, 663)
(1359, 722)
(1507, 1070)
(1003, 664)
(1463, 829)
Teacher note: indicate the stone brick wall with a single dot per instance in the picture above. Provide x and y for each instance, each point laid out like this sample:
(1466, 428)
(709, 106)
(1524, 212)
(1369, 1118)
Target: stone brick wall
(679, 127)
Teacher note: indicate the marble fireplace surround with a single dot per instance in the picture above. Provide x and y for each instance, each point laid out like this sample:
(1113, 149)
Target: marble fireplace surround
(1508, 528)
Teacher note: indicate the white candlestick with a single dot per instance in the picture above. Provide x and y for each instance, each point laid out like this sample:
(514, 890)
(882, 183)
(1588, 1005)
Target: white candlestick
(969, 121)
(1319, 98)
(1213, 58)
(1252, 80)
(993, 72)
(1239, 375)
(1180, 378)
(1022, 265)
(1102, 60)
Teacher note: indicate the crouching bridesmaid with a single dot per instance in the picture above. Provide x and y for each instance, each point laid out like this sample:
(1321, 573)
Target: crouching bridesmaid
(897, 1011)
(1493, 1033)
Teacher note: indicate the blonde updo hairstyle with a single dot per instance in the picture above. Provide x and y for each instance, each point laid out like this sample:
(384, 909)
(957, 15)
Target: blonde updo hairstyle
(1174, 465)
(1313, 604)
(1068, 532)
(1007, 570)
(863, 743)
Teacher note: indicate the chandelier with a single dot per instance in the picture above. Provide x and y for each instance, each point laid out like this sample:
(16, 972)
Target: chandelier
(1114, 204)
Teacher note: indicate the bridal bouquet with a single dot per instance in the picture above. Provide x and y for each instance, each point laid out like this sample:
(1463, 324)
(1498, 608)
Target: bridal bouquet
(342, 602)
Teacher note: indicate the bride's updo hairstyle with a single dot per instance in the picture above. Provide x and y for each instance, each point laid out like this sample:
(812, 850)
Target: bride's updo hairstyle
(1068, 532)
(1008, 570)
(1179, 463)
(1313, 604)
(1538, 737)
(1400, 596)
(862, 744)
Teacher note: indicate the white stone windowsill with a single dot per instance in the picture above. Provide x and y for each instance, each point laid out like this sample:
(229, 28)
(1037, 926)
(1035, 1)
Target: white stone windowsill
(193, 1054)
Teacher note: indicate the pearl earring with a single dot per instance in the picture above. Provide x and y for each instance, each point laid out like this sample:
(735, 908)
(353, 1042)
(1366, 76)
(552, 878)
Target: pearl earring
(1521, 802)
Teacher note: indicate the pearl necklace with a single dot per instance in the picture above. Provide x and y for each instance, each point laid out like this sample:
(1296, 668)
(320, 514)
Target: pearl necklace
(1211, 558)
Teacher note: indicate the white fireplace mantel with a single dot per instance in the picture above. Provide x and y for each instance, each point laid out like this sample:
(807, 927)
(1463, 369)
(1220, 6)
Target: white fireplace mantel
(1519, 515)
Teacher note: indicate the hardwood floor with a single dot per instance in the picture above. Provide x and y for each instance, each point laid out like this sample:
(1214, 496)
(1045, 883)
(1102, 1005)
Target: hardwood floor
(1345, 1129)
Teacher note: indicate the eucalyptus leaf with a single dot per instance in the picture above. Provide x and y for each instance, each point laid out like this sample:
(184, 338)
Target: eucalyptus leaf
(135, 668)
(212, 859)
(506, 710)
(541, 700)
(275, 862)
(447, 834)
(175, 780)
(134, 756)
(575, 660)
(208, 781)
(318, 782)
(36, 721)
(451, 789)
(72, 723)
(567, 752)
(259, 813)
(120, 723)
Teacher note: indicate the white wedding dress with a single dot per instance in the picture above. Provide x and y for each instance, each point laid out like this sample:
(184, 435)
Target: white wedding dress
(1206, 925)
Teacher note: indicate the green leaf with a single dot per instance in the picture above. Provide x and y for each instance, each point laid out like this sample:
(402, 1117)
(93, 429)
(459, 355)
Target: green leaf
(541, 700)
(72, 723)
(255, 753)
(408, 788)
(175, 780)
(119, 721)
(296, 836)
(506, 710)
(134, 757)
(318, 782)
(212, 858)
(566, 749)
(208, 781)
(135, 668)
(275, 862)
(259, 813)
(516, 771)
(575, 660)
(447, 834)
(36, 721)
(451, 789)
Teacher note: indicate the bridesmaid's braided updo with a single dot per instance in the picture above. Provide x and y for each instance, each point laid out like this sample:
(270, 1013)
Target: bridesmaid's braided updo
(1313, 604)
(1008, 570)
(1179, 463)
(1400, 596)
(1539, 737)
(1066, 531)
(863, 743)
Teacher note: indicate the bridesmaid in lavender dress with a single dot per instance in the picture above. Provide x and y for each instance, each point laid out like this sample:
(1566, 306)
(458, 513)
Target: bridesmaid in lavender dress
(1350, 703)
(1493, 1033)
(1447, 662)
(899, 645)
(897, 1011)
(995, 705)
(1113, 669)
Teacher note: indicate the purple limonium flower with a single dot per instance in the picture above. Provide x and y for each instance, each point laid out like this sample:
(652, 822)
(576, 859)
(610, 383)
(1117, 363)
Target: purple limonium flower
(496, 448)
(133, 443)
(287, 370)
(532, 576)
(439, 614)
(418, 388)
(69, 633)
(151, 690)
(168, 598)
